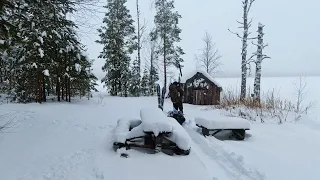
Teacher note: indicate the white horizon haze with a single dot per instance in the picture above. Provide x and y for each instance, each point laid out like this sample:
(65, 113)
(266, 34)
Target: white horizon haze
(291, 31)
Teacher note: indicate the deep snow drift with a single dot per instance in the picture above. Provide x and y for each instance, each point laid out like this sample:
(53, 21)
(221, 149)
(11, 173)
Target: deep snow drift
(74, 141)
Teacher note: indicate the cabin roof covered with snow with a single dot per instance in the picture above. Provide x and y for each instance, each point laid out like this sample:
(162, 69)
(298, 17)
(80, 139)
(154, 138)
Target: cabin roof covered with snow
(204, 73)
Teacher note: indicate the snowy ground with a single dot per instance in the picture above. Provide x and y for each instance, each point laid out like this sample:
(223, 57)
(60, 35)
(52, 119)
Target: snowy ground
(73, 141)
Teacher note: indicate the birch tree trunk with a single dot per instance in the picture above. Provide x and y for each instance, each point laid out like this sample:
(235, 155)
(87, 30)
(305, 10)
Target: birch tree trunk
(258, 63)
(245, 25)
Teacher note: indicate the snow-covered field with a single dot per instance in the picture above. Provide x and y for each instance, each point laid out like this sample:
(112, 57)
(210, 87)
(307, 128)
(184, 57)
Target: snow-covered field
(61, 141)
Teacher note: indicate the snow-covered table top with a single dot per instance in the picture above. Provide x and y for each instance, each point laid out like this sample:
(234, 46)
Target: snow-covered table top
(222, 122)
(154, 120)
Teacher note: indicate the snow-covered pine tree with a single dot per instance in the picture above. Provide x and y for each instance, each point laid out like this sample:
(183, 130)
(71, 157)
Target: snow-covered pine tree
(167, 30)
(30, 56)
(153, 71)
(36, 41)
(260, 57)
(41, 50)
(12, 16)
(153, 78)
(91, 79)
(5, 7)
(81, 77)
(145, 82)
(135, 79)
(245, 25)
(119, 41)
(64, 49)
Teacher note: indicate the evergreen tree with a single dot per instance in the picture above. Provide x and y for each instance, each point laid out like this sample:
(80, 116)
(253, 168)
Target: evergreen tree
(83, 79)
(40, 54)
(153, 72)
(42, 51)
(153, 78)
(45, 49)
(166, 22)
(145, 83)
(118, 37)
(135, 79)
(12, 15)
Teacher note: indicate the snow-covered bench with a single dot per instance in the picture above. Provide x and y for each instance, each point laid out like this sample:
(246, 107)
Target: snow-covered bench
(155, 129)
(237, 125)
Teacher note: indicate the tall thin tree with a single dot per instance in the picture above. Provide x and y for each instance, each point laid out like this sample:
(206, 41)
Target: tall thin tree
(209, 57)
(167, 30)
(260, 57)
(119, 40)
(245, 25)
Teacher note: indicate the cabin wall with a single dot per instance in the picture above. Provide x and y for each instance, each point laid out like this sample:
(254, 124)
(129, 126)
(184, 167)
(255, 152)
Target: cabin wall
(200, 91)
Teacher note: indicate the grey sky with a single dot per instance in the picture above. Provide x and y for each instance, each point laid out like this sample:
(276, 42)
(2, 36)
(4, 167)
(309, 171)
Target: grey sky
(291, 30)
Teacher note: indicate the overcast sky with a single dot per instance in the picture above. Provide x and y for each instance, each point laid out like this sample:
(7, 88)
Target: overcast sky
(291, 29)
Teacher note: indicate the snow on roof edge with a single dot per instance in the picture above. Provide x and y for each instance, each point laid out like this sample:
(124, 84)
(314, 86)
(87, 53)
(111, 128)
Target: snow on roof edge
(194, 72)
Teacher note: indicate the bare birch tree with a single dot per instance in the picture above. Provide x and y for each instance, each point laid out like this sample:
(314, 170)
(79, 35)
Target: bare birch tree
(209, 58)
(260, 57)
(245, 25)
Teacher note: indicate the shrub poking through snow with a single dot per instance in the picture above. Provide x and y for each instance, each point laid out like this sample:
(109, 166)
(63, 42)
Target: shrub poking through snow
(272, 108)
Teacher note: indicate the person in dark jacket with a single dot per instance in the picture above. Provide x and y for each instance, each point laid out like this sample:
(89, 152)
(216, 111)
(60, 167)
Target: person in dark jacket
(176, 94)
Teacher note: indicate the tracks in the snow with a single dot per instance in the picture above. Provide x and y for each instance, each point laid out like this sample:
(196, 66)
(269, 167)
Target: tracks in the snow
(232, 165)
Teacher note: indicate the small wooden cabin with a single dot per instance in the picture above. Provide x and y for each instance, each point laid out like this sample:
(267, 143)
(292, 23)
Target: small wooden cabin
(201, 89)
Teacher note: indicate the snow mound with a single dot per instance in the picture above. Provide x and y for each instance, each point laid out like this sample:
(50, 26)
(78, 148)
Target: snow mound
(180, 136)
(121, 132)
(223, 123)
(154, 120)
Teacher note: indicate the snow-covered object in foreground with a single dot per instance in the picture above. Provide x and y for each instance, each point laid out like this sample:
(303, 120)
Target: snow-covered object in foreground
(180, 135)
(223, 122)
(154, 131)
(238, 126)
(121, 132)
(153, 120)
